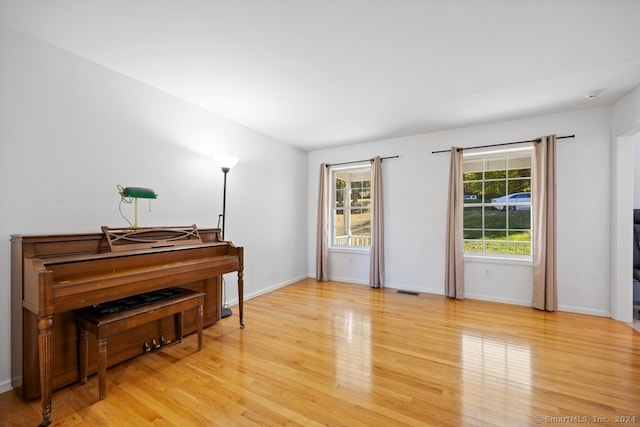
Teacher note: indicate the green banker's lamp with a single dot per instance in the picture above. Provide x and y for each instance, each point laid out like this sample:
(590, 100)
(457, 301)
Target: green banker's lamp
(131, 195)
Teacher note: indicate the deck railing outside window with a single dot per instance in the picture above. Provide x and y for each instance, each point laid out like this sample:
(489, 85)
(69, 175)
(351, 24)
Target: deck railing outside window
(363, 241)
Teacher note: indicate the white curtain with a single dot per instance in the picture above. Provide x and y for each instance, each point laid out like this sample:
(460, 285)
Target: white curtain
(454, 274)
(322, 236)
(376, 268)
(543, 188)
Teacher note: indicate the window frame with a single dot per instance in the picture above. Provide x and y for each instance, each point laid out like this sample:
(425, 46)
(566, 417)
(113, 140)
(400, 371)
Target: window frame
(358, 168)
(484, 204)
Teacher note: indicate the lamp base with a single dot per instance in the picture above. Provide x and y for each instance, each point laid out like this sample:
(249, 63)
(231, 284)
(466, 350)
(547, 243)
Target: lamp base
(225, 312)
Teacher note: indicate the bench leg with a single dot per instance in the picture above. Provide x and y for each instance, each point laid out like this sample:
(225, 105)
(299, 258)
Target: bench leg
(200, 321)
(102, 368)
(84, 355)
(180, 326)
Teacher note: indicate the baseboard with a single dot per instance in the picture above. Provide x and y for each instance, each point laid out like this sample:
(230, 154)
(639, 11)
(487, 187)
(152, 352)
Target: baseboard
(411, 288)
(511, 301)
(581, 310)
(348, 280)
(267, 290)
(525, 303)
(5, 386)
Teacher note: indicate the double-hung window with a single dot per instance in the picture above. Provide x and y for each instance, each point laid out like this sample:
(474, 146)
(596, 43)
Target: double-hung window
(497, 203)
(351, 207)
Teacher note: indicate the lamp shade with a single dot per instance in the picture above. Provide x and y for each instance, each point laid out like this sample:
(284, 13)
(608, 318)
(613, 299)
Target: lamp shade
(139, 192)
(225, 161)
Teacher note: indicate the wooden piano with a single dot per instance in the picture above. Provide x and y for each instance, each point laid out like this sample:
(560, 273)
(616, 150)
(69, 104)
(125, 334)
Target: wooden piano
(53, 276)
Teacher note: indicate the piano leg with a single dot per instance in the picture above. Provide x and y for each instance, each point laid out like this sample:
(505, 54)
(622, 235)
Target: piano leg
(241, 297)
(45, 326)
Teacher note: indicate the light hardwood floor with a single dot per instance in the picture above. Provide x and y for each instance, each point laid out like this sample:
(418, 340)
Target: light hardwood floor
(340, 354)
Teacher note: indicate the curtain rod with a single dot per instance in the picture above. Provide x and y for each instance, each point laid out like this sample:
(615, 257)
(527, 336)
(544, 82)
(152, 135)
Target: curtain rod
(503, 143)
(360, 161)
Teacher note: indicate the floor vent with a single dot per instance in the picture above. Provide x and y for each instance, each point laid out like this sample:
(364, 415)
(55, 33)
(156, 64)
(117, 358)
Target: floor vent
(415, 294)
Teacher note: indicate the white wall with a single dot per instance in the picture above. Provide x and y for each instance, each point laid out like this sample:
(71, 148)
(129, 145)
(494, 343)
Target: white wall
(636, 205)
(415, 211)
(625, 135)
(636, 195)
(625, 116)
(636, 175)
(70, 131)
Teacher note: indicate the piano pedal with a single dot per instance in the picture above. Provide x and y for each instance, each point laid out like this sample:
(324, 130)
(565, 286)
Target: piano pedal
(145, 347)
(155, 344)
(164, 341)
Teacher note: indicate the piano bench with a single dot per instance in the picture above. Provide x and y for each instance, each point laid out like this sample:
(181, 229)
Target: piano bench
(102, 326)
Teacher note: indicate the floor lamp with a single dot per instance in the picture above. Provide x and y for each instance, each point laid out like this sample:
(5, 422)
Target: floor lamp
(225, 162)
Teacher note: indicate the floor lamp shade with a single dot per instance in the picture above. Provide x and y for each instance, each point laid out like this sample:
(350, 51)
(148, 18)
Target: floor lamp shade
(225, 161)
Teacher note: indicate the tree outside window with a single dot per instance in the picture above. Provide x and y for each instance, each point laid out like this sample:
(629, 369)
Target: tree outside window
(497, 204)
(351, 207)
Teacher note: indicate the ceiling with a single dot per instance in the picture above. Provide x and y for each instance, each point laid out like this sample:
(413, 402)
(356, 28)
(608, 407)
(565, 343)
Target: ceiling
(322, 73)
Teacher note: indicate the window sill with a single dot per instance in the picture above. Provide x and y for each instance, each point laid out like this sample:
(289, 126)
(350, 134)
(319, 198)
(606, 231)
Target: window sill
(349, 250)
(499, 260)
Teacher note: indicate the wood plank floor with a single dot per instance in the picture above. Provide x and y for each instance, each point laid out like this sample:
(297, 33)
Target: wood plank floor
(339, 354)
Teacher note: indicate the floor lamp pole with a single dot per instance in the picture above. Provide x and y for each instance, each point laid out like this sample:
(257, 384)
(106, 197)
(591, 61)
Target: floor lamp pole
(224, 199)
(224, 311)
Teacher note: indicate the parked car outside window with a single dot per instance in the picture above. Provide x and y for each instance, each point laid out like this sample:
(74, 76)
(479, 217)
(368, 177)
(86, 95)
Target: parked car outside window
(514, 201)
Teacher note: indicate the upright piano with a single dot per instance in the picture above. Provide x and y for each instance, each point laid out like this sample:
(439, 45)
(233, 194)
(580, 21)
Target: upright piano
(54, 276)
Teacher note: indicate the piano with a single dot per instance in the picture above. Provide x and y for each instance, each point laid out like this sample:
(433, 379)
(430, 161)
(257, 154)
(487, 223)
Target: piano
(54, 276)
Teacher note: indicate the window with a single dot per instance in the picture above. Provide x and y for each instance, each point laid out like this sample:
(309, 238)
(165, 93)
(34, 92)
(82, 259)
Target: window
(351, 207)
(497, 203)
